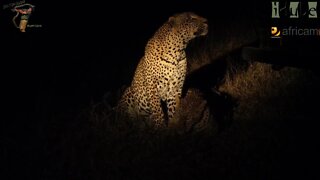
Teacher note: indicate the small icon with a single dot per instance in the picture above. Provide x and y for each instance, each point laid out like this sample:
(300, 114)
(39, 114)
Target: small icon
(24, 11)
(275, 32)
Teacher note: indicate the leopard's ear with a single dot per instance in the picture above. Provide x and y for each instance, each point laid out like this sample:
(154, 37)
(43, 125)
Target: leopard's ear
(171, 21)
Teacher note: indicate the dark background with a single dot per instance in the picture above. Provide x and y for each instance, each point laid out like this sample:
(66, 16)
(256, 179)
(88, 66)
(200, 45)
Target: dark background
(85, 49)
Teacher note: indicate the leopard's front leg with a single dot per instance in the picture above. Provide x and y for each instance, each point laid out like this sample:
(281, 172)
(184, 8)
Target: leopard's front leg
(157, 114)
(173, 102)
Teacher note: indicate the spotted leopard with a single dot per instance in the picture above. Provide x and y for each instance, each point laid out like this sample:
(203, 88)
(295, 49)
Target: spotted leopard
(161, 72)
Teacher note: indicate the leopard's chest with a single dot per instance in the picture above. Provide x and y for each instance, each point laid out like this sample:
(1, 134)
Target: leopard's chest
(170, 78)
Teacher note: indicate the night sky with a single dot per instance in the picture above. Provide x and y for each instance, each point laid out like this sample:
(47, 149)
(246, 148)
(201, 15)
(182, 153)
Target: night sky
(83, 50)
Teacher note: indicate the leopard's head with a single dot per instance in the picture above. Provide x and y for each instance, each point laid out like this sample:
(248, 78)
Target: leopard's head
(188, 25)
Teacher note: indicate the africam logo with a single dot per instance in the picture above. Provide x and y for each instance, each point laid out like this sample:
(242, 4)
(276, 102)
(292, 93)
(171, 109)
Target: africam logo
(23, 10)
(275, 32)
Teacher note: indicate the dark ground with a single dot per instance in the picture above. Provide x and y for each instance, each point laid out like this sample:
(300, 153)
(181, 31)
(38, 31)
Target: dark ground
(55, 75)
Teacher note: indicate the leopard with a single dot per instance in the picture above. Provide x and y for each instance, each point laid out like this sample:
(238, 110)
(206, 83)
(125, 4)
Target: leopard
(156, 88)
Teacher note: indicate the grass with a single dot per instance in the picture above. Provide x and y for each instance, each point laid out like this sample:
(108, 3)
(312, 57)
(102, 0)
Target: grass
(258, 144)
(272, 93)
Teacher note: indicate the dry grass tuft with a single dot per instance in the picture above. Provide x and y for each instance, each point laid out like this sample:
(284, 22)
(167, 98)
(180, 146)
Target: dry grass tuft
(263, 92)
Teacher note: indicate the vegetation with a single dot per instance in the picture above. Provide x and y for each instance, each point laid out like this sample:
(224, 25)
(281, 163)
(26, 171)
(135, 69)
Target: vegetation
(259, 141)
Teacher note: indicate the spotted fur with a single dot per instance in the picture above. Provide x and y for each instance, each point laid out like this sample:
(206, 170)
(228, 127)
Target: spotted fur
(161, 72)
